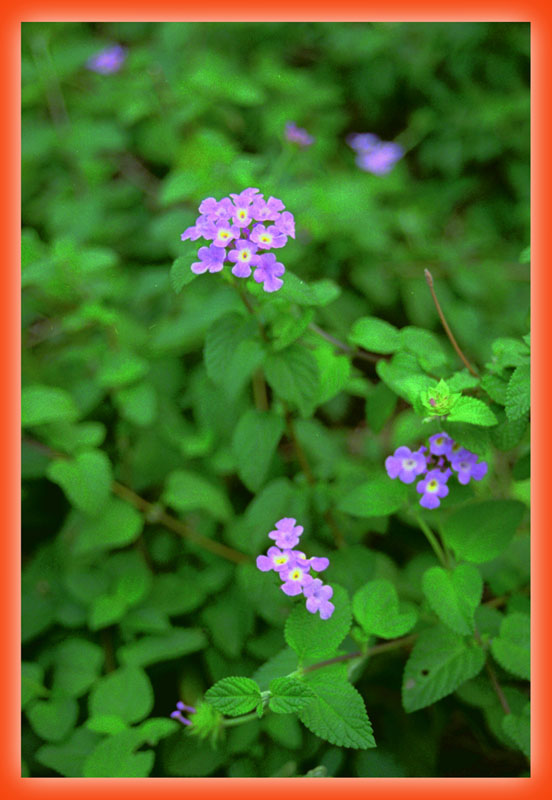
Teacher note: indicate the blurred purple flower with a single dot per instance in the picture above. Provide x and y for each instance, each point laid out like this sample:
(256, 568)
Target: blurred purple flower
(108, 60)
(276, 559)
(298, 135)
(318, 598)
(295, 579)
(244, 257)
(440, 444)
(286, 224)
(374, 155)
(465, 464)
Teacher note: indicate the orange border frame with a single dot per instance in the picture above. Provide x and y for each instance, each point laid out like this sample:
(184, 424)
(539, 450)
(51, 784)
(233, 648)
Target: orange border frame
(534, 11)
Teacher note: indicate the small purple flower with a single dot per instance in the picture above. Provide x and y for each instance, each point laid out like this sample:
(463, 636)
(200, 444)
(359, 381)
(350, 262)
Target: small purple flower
(381, 159)
(465, 464)
(362, 141)
(269, 210)
(268, 237)
(287, 533)
(211, 260)
(192, 233)
(440, 444)
(108, 60)
(178, 713)
(295, 579)
(224, 233)
(216, 210)
(298, 135)
(405, 464)
(276, 559)
(318, 598)
(268, 273)
(286, 224)
(317, 563)
(244, 258)
(244, 198)
(433, 487)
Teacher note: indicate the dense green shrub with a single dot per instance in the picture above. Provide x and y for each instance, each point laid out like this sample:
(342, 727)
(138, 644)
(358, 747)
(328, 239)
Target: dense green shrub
(170, 420)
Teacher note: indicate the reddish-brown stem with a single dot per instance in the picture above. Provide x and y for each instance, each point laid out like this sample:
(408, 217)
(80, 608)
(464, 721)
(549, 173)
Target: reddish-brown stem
(429, 281)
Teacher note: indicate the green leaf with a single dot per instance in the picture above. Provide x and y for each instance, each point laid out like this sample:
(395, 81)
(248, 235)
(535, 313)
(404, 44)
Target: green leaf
(518, 393)
(152, 649)
(509, 432)
(440, 661)
(78, 663)
(137, 404)
(126, 693)
(190, 491)
(86, 480)
(120, 368)
(287, 329)
(376, 335)
(509, 352)
(41, 404)
(118, 525)
(512, 648)
(114, 757)
(254, 443)
(32, 677)
(376, 608)
(454, 596)
(234, 696)
(230, 621)
(337, 714)
(106, 610)
(518, 728)
(156, 728)
(318, 293)
(403, 375)
(283, 662)
(495, 387)
(481, 531)
(472, 410)
(376, 497)
(181, 273)
(425, 346)
(312, 637)
(68, 758)
(232, 352)
(333, 373)
(288, 695)
(106, 723)
(293, 376)
(53, 719)
(380, 404)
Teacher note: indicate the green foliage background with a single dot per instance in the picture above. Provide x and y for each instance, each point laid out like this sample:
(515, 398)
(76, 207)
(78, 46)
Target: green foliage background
(147, 469)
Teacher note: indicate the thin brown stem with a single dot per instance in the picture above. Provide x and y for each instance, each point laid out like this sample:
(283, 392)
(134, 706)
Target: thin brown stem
(155, 514)
(429, 281)
(260, 395)
(494, 680)
(395, 644)
(353, 352)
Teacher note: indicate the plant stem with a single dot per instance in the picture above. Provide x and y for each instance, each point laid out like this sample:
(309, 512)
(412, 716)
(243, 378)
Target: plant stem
(432, 539)
(229, 723)
(354, 352)
(429, 281)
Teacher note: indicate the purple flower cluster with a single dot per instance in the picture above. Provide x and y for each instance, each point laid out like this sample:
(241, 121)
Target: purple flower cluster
(109, 60)
(373, 155)
(445, 456)
(293, 568)
(298, 135)
(249, 225)
(180, 707)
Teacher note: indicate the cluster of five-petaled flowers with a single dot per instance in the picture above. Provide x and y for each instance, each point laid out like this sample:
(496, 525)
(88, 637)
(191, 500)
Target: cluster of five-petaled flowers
(249, 225)
(445, 456)
(293, 568)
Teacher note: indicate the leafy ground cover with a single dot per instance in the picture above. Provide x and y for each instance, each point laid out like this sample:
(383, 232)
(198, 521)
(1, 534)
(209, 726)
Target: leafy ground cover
(180, 426)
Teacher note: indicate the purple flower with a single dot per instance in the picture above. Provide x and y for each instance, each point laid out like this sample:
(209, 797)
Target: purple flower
(381, 159)
(317, 563)
(374, 155)
(108, 60)
(295, 579)
(298, 135)
(268, 237)
(216, 210)
(178, 713)
(269, 210)
(244, 198)
(211, 259)
(244, 257)
(440, 444)
(276, 559)
(405, 464)
(286, 224)
(223, 233)
(287, 533)
(465, 464)
(433, 487)
(268, 273)
(318, 598)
